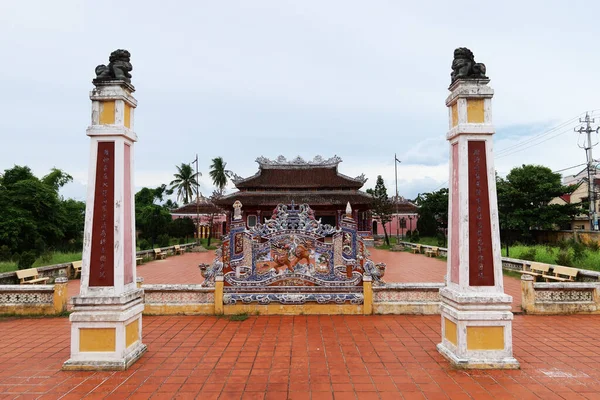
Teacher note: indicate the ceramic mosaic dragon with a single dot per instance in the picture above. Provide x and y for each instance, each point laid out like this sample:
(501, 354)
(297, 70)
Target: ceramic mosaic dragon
(292, 258)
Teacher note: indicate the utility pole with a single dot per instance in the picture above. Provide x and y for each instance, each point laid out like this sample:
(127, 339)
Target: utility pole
(587, 146)
(197, 203)
(396, 161)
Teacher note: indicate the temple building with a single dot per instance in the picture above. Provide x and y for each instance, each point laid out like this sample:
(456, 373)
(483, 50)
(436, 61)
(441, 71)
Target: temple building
(203, 213)
(317, 183)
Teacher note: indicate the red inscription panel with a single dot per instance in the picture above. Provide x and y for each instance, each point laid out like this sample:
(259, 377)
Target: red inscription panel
(128, 248)
(102, 271)
(481, 261)
(455, 244)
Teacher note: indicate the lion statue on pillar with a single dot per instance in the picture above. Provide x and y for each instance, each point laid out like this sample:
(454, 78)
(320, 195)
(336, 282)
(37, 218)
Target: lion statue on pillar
(118, 67)
(465, 67)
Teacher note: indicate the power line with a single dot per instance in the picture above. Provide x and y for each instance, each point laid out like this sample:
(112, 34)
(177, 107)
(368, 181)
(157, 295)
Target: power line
(534, 144)
(565, 169)
(587, 121)
(543, 134)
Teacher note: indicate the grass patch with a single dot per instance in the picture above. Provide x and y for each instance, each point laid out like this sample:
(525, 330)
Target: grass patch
(7, 266)
(239, 317)
(44, 260)
(214, 243)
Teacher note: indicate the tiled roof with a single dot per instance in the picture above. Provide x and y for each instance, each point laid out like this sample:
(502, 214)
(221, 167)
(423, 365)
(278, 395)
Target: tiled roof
(300, 178)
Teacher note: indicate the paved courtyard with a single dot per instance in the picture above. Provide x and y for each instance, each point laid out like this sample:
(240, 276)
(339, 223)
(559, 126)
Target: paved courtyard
(303, 357)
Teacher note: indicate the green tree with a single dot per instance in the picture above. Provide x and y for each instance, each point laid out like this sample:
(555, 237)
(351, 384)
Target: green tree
(185, 183)
(152, 217)
(33, 216)
(219, 176)
(381, 207)
(524, 197)
(433, 212)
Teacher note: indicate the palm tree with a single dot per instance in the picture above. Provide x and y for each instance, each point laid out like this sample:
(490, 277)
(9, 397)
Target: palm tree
(185, 182)
(219, 174)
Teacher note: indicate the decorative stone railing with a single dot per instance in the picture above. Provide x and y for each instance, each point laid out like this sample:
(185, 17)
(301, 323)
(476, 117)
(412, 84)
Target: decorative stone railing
(64, 269)
(517, 265)
(34, 299)
(407, 298)
(178, 299)
(559, 298)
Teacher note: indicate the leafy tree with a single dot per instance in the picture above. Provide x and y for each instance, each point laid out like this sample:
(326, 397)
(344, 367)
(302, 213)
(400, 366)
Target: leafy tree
(381, 208)
(33, 217)
(433, 212)
(219, 176)
(182, 228)
(524, 197)
(185, 183)
(151, 217)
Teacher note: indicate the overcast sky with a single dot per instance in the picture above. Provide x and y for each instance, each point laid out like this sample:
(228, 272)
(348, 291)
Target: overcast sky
(239, 79)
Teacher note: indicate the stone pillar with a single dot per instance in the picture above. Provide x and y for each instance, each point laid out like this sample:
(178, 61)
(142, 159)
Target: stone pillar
(60, 295)
(527, 293)
(106, 323)
(476, 313)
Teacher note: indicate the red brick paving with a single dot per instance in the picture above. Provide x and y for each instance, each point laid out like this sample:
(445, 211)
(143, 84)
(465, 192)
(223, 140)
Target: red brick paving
(303, 357)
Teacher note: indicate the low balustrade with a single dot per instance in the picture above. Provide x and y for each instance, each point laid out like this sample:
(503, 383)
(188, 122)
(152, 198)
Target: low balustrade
(34, 299)
(559, 297)
(407, 298)
(178, 299)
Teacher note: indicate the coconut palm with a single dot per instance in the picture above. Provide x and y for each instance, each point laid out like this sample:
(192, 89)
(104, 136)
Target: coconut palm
(219, 174)
(185, 182)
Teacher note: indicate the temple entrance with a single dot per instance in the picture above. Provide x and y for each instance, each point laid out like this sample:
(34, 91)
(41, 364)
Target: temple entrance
(374, 227)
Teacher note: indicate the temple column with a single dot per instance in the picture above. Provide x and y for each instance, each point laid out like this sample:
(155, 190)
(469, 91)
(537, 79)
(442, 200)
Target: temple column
(106, 323)
(475, 312)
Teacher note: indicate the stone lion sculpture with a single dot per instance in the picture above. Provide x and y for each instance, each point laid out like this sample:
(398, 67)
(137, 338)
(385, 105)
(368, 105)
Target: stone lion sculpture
(465, 67)
(118, 67)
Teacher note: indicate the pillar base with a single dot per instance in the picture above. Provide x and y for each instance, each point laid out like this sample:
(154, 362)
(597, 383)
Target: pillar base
(466, 363)
(477, 330)
(106, 332)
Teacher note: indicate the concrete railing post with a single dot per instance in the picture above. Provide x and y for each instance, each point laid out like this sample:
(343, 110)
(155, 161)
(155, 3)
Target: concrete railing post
(527, 293)
(60, 294)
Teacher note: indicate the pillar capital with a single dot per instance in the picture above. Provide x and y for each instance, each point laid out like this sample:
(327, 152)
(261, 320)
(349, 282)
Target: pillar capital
(470, 108)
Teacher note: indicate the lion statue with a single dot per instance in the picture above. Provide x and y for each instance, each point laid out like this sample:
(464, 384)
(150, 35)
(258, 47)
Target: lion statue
(465, 67)
(118, 67)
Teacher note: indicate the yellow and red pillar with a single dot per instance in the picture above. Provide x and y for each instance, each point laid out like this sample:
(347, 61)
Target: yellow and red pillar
(476, 313)
(106, 323)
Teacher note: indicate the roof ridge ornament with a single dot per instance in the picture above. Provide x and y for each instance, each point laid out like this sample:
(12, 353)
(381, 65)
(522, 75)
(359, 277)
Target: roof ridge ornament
(282, 161)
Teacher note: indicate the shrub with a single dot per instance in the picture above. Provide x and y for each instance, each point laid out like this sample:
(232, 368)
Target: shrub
(593, 245)
(26, 260)
(441, 239)
(408, 235)
(529, 254)
(4, 253)
(578, 250)
(564, 258)
(162, 240)
(415, 236)
(563, 244)
(144, 244)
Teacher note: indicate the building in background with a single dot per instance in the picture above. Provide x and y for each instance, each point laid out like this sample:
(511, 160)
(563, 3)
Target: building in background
(316, 183)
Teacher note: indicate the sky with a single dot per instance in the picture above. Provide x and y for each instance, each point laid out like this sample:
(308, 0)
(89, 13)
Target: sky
(242, 79)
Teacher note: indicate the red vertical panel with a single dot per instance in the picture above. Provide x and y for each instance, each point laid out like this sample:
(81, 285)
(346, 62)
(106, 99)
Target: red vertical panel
(127, 228)
(102, 262)
(481, 262)
(455, 245)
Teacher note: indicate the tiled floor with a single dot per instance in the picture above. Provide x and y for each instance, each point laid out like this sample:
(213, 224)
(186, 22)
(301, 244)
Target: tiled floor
(303, 357)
